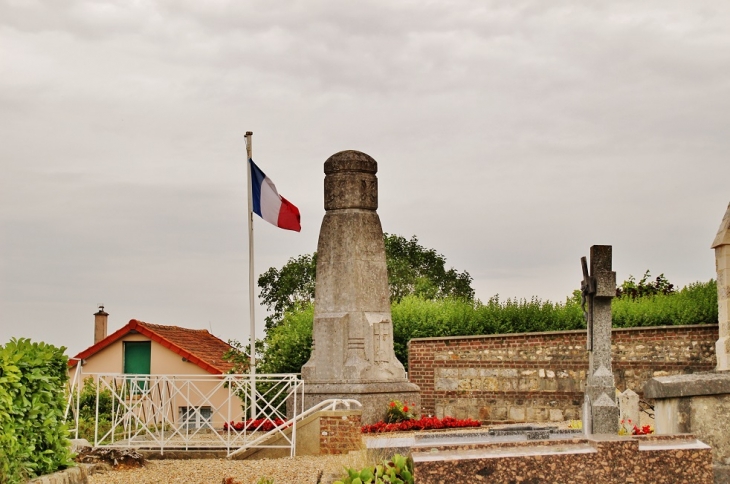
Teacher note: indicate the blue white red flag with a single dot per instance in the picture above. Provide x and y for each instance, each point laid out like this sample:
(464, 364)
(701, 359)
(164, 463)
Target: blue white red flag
(269, 205)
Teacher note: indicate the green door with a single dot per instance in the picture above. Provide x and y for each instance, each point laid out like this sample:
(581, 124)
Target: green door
(137, 355)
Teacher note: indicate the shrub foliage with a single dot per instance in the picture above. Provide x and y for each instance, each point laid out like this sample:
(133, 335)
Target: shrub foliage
(288, 346)
(34, 439)
(412, 269)
(88, 410)
(693, 304)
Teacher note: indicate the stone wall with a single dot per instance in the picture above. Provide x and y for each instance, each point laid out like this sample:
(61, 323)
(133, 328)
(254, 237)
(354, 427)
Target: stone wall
(72, 475)
(540, 377)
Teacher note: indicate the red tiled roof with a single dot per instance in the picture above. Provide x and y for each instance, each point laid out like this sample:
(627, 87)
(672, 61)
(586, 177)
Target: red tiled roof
(195, 345)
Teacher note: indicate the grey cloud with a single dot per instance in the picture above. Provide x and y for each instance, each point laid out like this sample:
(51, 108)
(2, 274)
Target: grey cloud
(510, 137)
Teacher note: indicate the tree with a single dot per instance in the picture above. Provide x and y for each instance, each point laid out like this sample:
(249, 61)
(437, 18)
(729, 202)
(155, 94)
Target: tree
(412, 269)
(287, 289)
(631, 289)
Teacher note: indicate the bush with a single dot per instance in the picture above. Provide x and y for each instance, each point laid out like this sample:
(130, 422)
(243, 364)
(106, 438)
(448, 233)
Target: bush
(288, 346)
(34, 439)
(631, 289)
(693, 304)
(414, 317)
(87, 410)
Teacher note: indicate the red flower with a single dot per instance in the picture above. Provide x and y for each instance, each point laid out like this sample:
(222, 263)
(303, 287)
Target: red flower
(425, 423)
(405, 409)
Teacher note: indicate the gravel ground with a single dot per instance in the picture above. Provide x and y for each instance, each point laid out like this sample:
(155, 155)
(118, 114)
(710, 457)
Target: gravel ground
(304, 469)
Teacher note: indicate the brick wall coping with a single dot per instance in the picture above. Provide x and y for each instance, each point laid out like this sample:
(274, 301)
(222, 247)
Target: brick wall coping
(572, 331)
(338, 413)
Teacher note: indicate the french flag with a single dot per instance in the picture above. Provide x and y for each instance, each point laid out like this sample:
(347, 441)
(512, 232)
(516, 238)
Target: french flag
(269, 205)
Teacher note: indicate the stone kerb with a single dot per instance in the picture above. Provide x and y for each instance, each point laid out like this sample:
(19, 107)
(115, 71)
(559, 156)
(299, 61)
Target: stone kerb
(72, 475)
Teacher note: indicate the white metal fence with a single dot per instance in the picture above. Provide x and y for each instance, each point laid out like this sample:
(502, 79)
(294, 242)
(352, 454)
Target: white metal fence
(187, 411)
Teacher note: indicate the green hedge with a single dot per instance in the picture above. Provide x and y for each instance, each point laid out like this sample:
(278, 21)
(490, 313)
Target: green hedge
(693, 304)
(34, 439)
(288, 345)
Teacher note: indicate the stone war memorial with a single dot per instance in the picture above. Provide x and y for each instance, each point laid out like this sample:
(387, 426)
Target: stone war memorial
(352, 353)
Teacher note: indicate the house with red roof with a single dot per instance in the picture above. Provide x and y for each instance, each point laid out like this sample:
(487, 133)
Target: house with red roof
(139, 348)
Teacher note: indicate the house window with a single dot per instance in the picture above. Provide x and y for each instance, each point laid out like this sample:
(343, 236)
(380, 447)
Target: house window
(137, 356)
(195, 417)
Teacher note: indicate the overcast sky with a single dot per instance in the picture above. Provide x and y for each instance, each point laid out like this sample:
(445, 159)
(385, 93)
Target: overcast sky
(510, 136)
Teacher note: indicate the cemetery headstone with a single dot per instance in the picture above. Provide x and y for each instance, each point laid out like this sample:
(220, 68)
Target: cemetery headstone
(629, 409)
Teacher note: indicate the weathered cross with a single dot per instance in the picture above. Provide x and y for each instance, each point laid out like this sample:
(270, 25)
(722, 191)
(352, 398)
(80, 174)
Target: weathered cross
(598, 288)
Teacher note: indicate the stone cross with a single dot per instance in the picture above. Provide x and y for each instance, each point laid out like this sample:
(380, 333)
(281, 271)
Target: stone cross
(599, 287)
(721, 244)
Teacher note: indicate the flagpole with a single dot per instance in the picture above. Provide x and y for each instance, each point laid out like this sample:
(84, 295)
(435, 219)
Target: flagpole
(251, 298)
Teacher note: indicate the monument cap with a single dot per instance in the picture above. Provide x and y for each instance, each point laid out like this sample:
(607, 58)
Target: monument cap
(350, 160)
(723, 233)
(350, 181)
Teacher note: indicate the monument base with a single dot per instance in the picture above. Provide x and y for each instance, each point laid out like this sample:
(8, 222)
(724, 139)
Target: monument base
(374, 396)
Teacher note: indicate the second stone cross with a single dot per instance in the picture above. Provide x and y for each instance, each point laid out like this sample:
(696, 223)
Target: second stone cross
(599, 288)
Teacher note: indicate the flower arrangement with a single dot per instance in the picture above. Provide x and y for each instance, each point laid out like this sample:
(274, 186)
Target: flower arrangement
(424, 423)
(399, 412)
(629, 428)
(251, 425)
(645, 430)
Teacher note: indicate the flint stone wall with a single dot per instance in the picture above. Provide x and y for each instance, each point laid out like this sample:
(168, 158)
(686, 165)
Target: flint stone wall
(540, 377)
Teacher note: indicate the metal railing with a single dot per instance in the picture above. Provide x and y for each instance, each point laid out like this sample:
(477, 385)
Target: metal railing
(190, 411)
(73, 400)
(325, 405)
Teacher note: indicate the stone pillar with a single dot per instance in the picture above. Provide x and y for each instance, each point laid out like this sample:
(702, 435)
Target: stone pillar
(600, 386)
(352, 353)
(721, 244)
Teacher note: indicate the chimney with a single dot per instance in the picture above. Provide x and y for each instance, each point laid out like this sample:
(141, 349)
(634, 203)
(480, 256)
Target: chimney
(100, 324)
